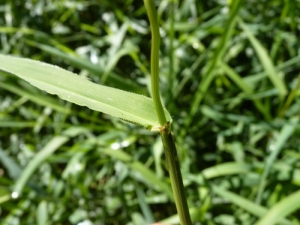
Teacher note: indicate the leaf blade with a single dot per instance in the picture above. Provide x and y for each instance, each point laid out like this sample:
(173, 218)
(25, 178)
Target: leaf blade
(125, 105)
(281, 209)
(265, 60)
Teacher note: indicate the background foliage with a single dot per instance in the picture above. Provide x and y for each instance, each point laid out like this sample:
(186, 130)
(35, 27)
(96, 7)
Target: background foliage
(229, 78)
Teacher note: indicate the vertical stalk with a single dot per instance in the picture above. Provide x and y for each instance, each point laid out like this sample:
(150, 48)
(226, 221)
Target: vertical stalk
(166, 135)
(175, 175)
(152, 14)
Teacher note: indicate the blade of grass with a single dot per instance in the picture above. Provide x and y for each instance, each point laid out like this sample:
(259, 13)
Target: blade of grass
(246, 204)
(246, 88)
(204, 85)
(42, 155)
(285, 133)
(144, 205)
(128, 106)
(13, 169)
(281, 67)
(126, 50)
(290, 98)
(39, 99)
(281, 209)
(17, 124)
(42, 214)
(224, 169)
(148, 176)
(265, 60)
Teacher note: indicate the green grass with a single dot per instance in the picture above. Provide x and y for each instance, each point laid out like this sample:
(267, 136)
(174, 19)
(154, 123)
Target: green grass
(229, 78)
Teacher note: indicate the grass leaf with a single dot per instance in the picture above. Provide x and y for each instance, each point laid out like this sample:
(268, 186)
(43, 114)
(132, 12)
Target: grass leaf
(128, 106)
(42, 155)
(139, 167)
(281, 209)
(218, 54)
(246, 204)
(284, 135)
(265, 60)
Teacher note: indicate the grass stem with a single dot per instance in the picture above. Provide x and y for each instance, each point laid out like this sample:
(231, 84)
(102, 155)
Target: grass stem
(166, 135)
(175, 176)
(152, 14)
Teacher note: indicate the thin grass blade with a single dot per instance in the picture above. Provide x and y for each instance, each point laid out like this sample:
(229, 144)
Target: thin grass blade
(203, 87)
(265, 60)
(148, 176)
(283, 208)
(284, 135)
(246, 204)
(247, 89)
(42, 155)
(42, 213)
(39, 99)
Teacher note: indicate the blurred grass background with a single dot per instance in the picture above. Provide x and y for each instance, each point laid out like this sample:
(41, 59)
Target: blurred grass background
(229, 77)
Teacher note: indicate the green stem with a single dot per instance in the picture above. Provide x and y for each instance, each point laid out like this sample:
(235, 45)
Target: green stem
(166, 135)
(152, 14)
(175, 176)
